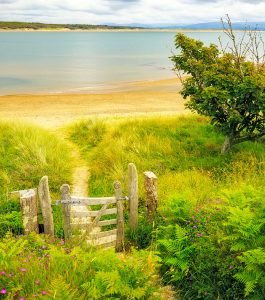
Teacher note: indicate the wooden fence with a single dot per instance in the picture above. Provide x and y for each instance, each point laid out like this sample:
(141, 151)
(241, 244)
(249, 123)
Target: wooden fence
(80, 219)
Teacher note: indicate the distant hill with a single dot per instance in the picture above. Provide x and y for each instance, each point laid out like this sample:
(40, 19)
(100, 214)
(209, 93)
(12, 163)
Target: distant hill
(202, 26)
(218, 25)
(39, 26)
(199, 26)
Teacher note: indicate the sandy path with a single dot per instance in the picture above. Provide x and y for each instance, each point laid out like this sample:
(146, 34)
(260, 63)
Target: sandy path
(51, 111)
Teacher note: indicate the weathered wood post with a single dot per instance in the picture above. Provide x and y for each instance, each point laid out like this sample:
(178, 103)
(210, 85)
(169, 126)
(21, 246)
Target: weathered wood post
(46, 208)
(120, 220)
(133, 196)
(29, 209)
(150, 184)
(65, 195)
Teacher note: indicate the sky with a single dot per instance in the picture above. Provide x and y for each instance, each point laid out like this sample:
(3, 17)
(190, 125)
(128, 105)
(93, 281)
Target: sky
(146, 12)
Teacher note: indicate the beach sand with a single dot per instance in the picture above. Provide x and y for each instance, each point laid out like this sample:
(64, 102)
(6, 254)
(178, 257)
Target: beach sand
(137, 98)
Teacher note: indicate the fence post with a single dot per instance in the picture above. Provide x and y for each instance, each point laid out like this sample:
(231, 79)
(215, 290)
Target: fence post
(46, 208)
(133, 196)
(29, 209)
(65, 195)
(120, 220)
(150, 184)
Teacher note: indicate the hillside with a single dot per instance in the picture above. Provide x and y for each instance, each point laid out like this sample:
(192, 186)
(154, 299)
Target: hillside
(42, 26)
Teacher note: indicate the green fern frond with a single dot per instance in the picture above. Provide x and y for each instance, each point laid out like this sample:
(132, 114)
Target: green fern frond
(59, 289)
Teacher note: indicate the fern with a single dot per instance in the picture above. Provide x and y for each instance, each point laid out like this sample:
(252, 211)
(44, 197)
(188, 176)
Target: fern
(244, 229)
(59, 289)
(253, 275)
(176, 252)
(10, 248)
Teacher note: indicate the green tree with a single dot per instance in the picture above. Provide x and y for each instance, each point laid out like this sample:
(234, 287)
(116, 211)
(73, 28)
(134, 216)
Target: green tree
(225, 84)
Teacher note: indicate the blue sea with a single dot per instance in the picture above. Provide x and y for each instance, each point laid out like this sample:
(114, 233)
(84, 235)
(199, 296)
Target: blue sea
(56, 62)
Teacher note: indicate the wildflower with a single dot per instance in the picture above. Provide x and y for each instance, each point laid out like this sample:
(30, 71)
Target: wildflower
(37, 281)
(44, 247)
(9, 275)
(3, 291)
(34, 295)
(23, 270)
(194, 226)
(230, 267)
(2, 273)
(62, 242)
(22, 298)
(193, 217)
(44, 293)
(199, 234)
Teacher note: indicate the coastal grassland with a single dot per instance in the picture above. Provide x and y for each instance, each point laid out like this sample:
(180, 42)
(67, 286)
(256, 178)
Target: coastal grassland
(39, 266)
(27, 153)
(210, 227)
(183, 151)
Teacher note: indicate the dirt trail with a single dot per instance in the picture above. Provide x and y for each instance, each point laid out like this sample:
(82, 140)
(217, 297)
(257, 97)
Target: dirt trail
(80, 176)
(80, 180)
(80, 173)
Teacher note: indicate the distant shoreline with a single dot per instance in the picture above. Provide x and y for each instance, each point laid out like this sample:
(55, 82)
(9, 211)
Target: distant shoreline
(115, 30)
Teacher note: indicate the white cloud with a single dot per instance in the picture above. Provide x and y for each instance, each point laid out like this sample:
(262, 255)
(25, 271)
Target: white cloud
(131, 11)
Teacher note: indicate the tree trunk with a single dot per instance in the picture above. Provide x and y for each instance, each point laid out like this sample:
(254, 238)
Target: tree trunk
(228, 143)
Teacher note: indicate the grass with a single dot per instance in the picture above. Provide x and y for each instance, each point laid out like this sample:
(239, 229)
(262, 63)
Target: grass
(27, 153)
(210, 228)
(184, 152)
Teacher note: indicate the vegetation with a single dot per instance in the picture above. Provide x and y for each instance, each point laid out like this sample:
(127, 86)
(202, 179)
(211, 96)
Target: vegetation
(227, 85)
(42, 26)
(38, 267)
(209, 232)
(207, 239)
(27, 153)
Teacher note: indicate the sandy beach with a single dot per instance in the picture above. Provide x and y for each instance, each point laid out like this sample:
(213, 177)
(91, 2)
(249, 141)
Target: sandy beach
(55, 110)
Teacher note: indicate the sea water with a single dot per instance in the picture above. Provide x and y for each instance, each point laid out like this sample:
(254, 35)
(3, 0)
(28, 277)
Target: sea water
(55, 62)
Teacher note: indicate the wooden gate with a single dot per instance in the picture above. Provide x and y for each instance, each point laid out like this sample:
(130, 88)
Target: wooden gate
(79, 219)
(86, 222)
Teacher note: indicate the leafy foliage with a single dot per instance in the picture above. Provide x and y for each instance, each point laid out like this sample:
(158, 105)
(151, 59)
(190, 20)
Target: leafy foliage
(225, 85)
(46, 267)
(217, 248)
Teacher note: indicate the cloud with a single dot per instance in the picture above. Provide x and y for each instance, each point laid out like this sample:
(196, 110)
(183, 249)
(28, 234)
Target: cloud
(131, 11)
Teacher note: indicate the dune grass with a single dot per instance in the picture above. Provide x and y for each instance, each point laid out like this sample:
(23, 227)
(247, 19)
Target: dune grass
(184, 152)
(209, 232)
(27, 153)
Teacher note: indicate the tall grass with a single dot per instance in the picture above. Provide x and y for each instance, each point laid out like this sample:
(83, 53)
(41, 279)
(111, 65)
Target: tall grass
(183, 151)
(210, 230)
(27, 153)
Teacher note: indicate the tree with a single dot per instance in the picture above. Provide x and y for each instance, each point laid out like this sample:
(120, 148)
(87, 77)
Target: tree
(226, 84)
